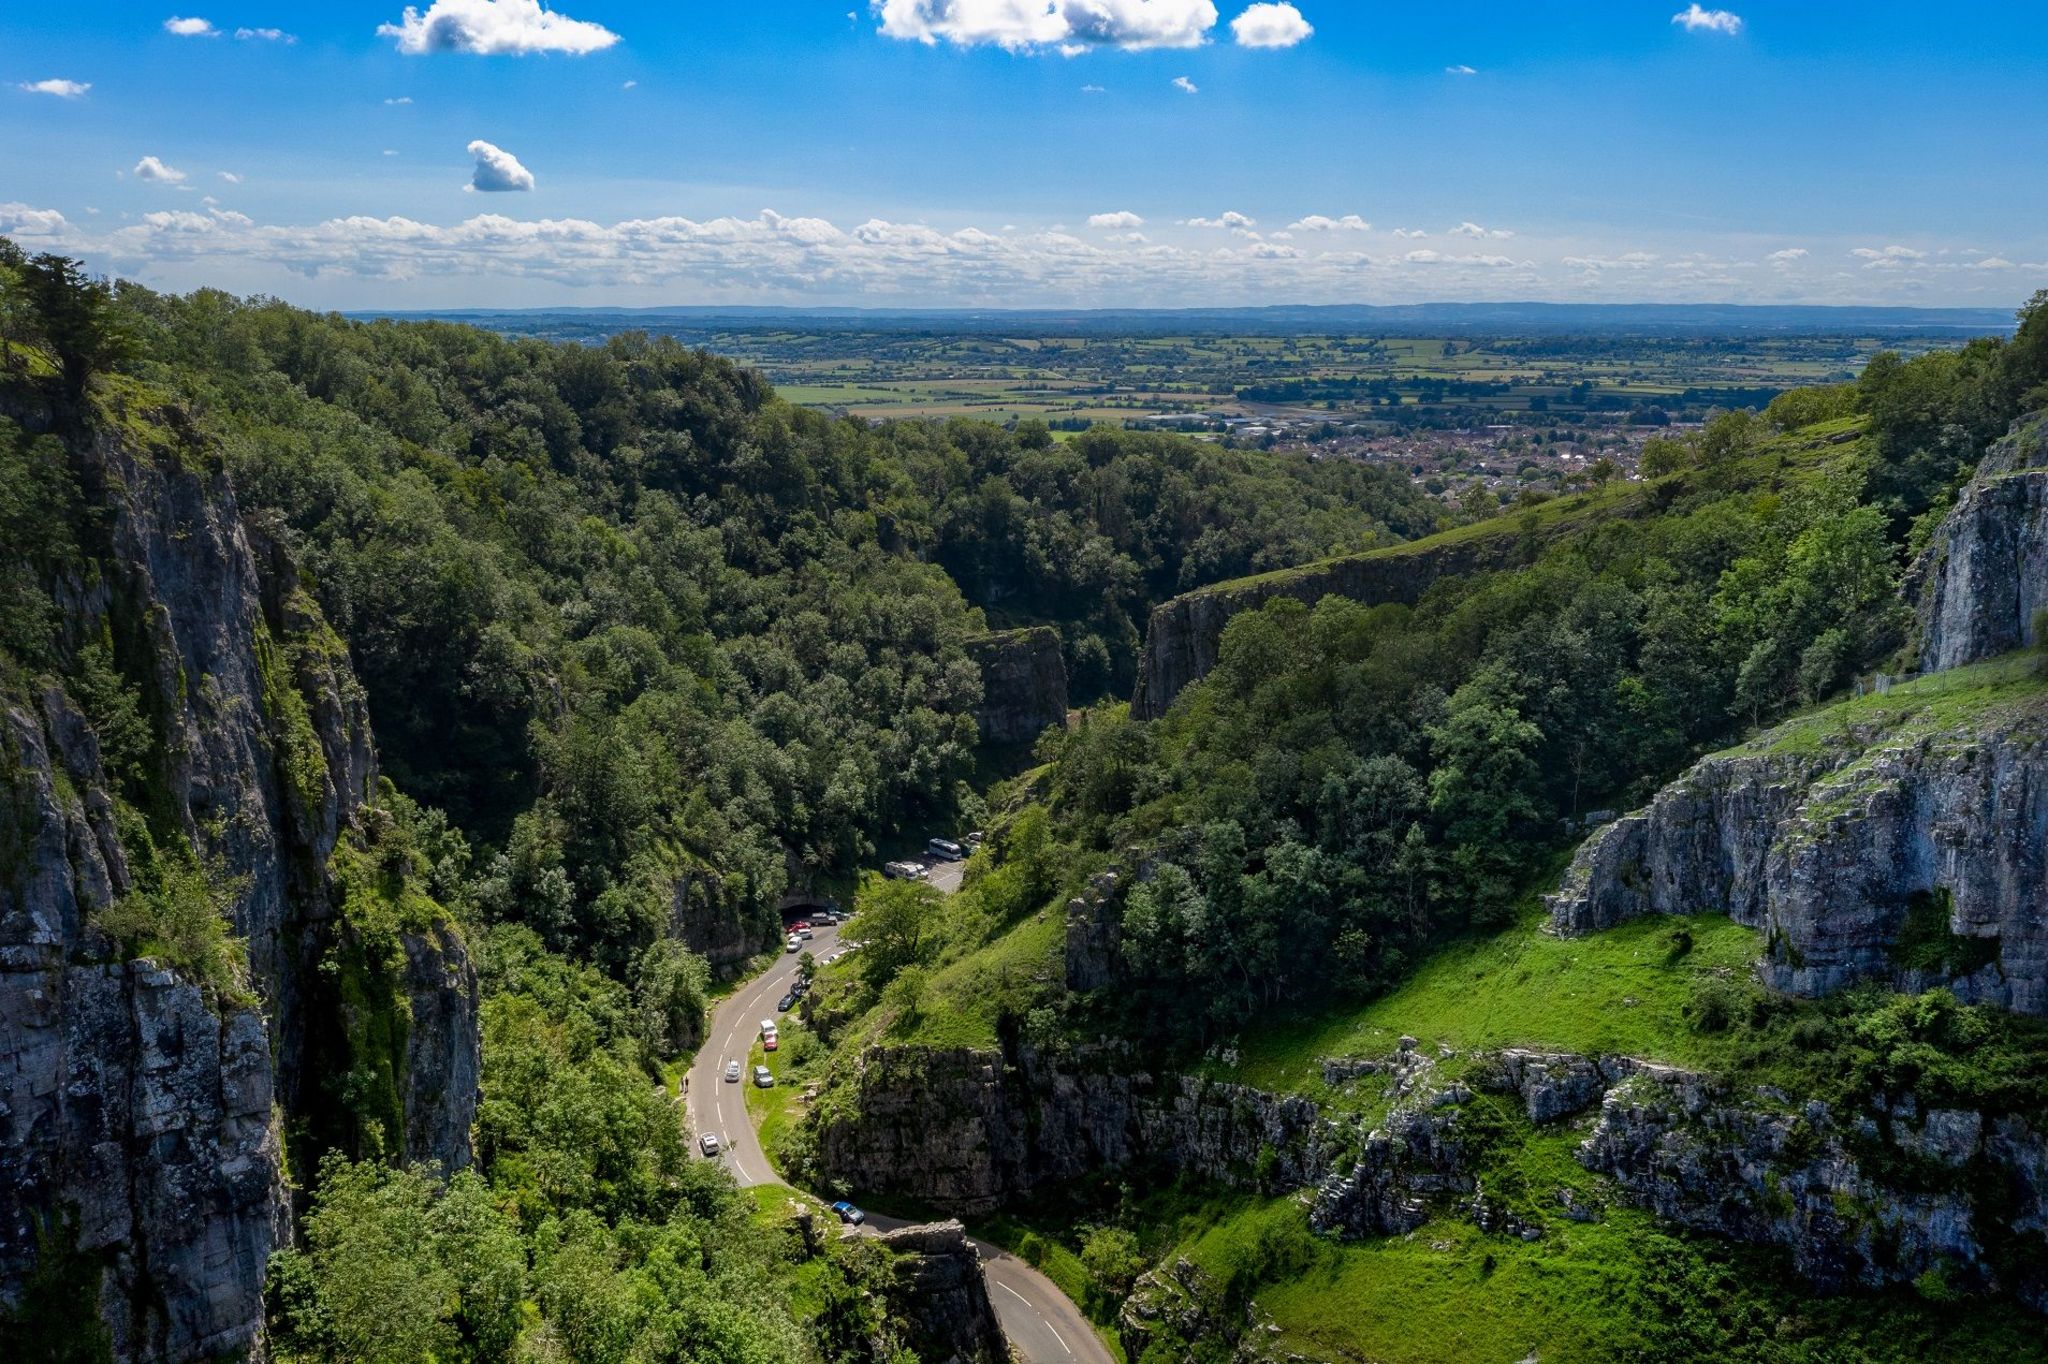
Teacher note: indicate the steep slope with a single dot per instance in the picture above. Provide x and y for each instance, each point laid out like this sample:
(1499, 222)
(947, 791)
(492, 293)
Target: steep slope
(1898, 838)
(1983, 579)
(194, 748)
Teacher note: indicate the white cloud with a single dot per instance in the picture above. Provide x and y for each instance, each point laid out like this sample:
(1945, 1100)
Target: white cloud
(1123, 220)
(1316, 222)
(62, 89)
(1697, 20)
(497, 170)
(1461, 70)
(156, 172)
(1889, 253)
(1990, 263)
(1788, 255)
(20, 220)
(1182, 83)
(1414, 234)
(629, 85)
(190, 28)
(1231, 219)
(230, 177)
(402, 99)
(1475, 230)
(1270, 25)
(1628, 260)
(266, 35)
(1428, 257)
(1093, 90)
(495, 28)
(1067, 26)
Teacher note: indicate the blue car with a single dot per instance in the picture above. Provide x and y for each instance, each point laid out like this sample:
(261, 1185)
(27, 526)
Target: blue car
(849, 1214)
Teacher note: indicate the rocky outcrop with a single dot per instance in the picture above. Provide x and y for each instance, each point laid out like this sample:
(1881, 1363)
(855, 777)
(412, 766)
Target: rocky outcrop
(1184, 634)
(1681, 1146)
(969, 1130)
(939, 1293)
(1982, 581)
(144, 1111)
(1094, 936)
(1175, 1310)
(1912, 853)
(1023, 684)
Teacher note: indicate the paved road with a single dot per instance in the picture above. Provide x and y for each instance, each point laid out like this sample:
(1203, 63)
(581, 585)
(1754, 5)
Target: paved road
(1041, 1322)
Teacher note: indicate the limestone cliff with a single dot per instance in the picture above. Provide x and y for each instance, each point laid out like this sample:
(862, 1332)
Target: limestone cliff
(971, 1130)
(1984, 577)
(938, 1291)
(1023, 684)
(1901, 838)
(1184, 634)
(145, 1110)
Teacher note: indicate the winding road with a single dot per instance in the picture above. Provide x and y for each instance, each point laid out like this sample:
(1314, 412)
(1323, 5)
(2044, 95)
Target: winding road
(1042, 1323)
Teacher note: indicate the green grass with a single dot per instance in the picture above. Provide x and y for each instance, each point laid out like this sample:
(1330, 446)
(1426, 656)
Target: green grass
(1622, 991)
(1042, 1249)
(1932, 704)
(968, 995)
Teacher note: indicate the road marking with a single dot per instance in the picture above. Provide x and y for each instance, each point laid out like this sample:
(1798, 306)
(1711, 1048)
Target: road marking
(1057, 1336)
(1015, 1294)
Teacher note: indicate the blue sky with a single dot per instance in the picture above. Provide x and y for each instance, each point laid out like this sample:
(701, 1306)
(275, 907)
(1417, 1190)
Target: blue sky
(1110, 152)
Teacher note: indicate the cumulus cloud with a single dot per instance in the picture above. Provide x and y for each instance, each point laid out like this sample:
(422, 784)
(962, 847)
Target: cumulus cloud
(402, 99)
(1892, 257)
(1694, 19)
(266, 35)
(1093, 90)
(190, 28)
(1428, 257)
(497, 170)
(156, 172)
(1067, 26)
(1475, 230)
(20, 220)
(1410, 233)
(1629, 260)
(1270, 25)
(230, 177)
(62, 89)
(494, 28)
(1123, 220)
(1461, 70)
(1788, 255)
(1186, 86)
(1316, 222)
(1230, 219)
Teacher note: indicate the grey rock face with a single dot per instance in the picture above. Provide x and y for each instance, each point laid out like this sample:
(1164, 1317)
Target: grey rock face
(1023, 684)
(1184, 634)
(940, 1292)
(1984, 577)
(1837, 855)
(969, 1130)
(139, 1113)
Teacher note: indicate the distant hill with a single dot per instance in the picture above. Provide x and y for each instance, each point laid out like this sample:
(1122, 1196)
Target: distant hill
(1413, 319)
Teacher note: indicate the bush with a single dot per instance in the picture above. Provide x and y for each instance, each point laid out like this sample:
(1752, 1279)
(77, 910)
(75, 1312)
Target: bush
(179, 914)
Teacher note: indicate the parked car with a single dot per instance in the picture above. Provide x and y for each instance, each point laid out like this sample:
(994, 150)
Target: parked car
(974, 839)
(904, 871)
(770, 1042)
(795, 944)
(804, 931)
(849, 1214)
(709, 1141)
(800, 925)
(945, 849)
(732, 1072)
(767, 1028)
(786, 1003)
(762, 1078)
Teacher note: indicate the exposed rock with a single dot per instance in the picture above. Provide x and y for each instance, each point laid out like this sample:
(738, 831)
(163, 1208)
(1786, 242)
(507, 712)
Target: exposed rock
(968, 1130)
(1094, 951)
(1184, 634)
(1178, 1312)
(1983, 578)
(1023, 684)
(940, 1293)
(1554, 1085)
(140, 1110)
(1851, 856)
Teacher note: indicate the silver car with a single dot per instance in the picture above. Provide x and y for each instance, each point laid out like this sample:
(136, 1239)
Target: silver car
(709, 1141)
(732, 1072)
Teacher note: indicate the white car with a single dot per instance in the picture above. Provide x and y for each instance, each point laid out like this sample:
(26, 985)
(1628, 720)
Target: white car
(794, 944)
(763, 1079)
(709, 1141)
(732, 1072)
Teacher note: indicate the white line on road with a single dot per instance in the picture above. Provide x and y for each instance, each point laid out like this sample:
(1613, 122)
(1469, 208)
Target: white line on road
(1057, 1336)
(1014, 1293)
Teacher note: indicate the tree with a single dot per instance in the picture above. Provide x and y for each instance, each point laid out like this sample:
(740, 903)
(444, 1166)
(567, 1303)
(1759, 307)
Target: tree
(669, 989)
(78, 320)
(1113, 1261)
(898, 923)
